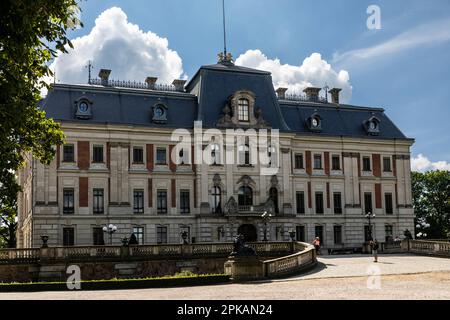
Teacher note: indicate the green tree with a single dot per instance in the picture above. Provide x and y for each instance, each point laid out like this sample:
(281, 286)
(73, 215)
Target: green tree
(32, 32)
(431, 201)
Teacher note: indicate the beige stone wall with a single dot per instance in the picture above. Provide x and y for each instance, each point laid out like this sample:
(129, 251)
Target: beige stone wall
(118, 176)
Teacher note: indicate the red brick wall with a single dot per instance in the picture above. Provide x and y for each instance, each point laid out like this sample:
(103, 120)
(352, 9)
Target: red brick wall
(308, 163)
(150, 163)
(83, 155)
(309, 195)
(84, 191)
(150, 192)
(327, 163)
(174, 193)
(172, 165)
(376, 160)
(378, 202)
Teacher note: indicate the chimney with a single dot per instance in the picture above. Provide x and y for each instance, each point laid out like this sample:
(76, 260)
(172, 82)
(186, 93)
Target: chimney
(335, 95)
(151, 81)
(281, 93)
(179, 85)
(312, 93)
(104, 76)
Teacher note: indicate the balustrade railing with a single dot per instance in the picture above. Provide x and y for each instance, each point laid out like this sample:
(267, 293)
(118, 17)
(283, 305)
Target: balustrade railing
(440, 248)
(306, 256)
(81, 253)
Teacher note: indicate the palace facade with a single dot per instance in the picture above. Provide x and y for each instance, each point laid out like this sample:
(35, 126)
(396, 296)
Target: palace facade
(337, 163)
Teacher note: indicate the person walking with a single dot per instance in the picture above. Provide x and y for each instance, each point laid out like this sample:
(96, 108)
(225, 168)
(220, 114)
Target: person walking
(374, 246)
(316, 244)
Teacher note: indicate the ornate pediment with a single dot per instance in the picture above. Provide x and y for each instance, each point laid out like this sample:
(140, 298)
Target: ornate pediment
(246, 181)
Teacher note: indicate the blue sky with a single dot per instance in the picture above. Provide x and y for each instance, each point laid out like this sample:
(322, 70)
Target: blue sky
(404, 66)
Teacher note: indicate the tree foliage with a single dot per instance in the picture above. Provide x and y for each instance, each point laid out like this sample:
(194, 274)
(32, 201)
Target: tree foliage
(431, 200)
(32, 32)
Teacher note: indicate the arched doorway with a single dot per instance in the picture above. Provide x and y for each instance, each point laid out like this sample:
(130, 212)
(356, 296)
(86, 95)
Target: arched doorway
(273, 194)
(249, 232)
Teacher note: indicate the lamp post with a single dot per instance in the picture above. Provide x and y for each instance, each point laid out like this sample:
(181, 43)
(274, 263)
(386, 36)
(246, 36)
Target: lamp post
(266, 218)
(110, 229)
(370, 216)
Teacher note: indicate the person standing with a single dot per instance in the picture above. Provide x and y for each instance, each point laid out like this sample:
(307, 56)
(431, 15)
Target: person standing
(316, 244)
(374, 247)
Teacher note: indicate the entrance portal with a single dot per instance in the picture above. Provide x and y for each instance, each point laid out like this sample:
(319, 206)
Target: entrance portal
(249, 232)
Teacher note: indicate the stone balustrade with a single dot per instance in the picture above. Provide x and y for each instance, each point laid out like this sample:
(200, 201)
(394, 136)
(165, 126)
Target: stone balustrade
(438, 248)
(138, 252)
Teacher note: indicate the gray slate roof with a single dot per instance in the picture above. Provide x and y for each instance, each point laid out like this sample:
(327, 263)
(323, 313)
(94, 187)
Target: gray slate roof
(205, 97)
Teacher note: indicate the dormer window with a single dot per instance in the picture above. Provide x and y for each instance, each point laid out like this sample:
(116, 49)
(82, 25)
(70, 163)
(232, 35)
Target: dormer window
(372, 126)
(159, 113)
(84, 109)
(314, 122)
(243, 112)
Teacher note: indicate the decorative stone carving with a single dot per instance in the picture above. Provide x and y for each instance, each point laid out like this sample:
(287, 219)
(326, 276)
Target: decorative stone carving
(246, 181)
(217, 180)
(274, 181)
(231, 207)
(260, 122)
(241, 249)
(225, 121)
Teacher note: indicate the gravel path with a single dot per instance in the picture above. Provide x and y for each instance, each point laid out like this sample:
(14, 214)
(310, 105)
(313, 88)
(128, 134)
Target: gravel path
(345, 277)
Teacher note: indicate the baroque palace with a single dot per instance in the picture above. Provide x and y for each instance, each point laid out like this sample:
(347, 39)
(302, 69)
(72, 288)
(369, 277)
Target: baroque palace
(336, 163)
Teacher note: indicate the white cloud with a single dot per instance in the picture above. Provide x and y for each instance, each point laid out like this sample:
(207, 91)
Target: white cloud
(314, 71)
(426, 34)
(423, 164)
(116, 44)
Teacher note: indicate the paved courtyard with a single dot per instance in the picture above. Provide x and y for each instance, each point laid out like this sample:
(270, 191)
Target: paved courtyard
(336, 277)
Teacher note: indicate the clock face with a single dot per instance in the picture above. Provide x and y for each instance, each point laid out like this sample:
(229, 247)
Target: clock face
(159, 112)
(315, 122)
(83, 107)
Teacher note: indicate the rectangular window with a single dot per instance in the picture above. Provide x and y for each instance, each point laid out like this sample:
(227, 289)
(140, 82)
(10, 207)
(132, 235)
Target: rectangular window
(68, 201)
(98, 204)
(161, 156)
(97, 155)
(319, 202)
(318, 231)
(368, 202)
(300, 233)
(337, 231)
(299, 161)
(300, 195)
(161, 234)
(138, 155)
(138, 201)
(389, 232)
(335, 163)
(337, 202)
(97, 236)
(366, 164)
(243, 107)
(387, 164)
(317, 161)
(161, 201)
(139, 234)
(68, 236)
(185, 207)
(388, 203)
(68, 153)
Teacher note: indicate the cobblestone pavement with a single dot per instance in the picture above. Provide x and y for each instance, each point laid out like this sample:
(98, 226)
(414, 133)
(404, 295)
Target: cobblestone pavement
(336, 277)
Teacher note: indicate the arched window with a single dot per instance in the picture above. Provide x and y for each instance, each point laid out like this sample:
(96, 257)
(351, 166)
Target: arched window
(215, 154)
(244, 154)
(243, 114)
(245, 196)
(216, 205)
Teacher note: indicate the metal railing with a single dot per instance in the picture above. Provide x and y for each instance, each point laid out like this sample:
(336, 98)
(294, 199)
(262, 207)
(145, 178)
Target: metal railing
(136, 85)
(304, 98)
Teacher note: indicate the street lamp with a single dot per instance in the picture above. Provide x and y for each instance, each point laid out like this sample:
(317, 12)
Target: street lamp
(369, 216)
(266, 218)
(110, 229)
